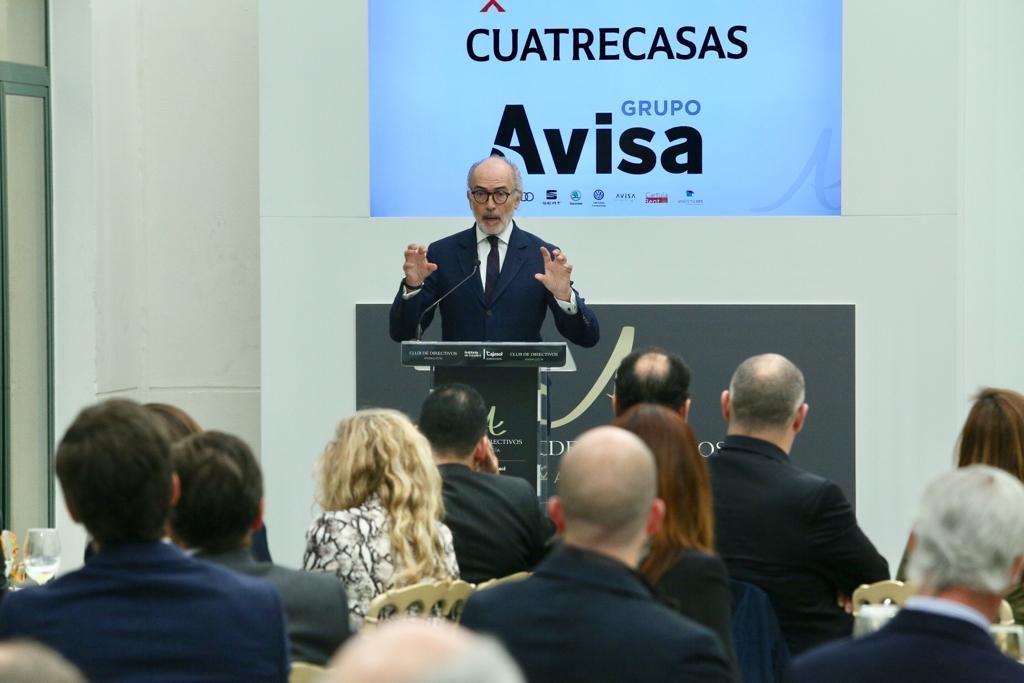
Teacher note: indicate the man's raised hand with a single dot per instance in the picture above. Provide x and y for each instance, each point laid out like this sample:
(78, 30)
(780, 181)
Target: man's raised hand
(417, 268)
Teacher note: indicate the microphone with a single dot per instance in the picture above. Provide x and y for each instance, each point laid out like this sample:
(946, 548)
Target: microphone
(428, 309)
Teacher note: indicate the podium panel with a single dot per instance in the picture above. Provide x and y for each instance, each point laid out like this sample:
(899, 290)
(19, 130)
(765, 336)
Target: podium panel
(507, 375)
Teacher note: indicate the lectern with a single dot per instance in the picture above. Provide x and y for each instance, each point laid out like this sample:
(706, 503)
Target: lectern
(507, 375)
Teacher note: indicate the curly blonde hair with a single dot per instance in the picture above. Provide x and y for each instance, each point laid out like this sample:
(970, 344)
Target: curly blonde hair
(379, 452)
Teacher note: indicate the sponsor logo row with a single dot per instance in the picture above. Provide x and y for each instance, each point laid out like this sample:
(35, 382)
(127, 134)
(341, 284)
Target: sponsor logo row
(601, 198)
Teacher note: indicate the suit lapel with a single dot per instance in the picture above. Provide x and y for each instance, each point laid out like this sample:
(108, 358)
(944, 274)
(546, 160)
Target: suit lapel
(515, 257)
(468, 256)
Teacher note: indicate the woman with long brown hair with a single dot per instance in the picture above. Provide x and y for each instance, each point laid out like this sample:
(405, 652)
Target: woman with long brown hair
(381, 498)
(681, 563)
(993, 434)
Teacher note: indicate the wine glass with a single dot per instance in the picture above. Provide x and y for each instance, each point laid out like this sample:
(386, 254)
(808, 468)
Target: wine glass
(42, 554)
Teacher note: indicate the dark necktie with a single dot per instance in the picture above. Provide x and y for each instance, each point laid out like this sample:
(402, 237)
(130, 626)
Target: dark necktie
(492, 269)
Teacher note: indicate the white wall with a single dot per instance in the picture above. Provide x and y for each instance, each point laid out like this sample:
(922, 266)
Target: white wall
(159, 278)
(156, 241)
(896, 252)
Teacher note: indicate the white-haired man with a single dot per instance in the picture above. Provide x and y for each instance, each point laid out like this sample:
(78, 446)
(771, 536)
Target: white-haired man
(786, 530)
(511, 277)
(967, 549)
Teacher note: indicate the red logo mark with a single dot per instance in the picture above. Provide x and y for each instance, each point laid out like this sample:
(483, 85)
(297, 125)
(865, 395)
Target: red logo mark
(494, 4)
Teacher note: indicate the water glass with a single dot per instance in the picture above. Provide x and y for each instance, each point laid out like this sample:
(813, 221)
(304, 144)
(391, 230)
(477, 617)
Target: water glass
(42, 554)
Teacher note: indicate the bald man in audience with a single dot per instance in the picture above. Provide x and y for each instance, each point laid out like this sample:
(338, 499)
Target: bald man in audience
(585, 614)
(652, 376)
(777, 526)
(430, 652)
(966, 553)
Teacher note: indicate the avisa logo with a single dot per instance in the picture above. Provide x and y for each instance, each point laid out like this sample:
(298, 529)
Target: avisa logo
(526, 197)
(598, 195)
(575, 196)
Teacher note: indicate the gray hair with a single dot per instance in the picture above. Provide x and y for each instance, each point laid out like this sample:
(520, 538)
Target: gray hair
(969, 531)
(766, 391)
(486, 662)
(431, 652)
(515, 171)
(25, 661)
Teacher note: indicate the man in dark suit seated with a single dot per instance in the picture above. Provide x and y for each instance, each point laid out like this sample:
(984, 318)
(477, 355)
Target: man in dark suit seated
(498, 527)
(585, 614)
(220, 507)
(786, 530)
(967, 549)
(652, 376)
(512, 277)
(140, 609)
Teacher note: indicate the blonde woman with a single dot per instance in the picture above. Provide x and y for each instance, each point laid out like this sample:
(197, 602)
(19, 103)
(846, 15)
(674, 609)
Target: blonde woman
(381, 495)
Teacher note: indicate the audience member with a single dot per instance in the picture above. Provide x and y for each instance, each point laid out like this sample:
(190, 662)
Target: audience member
(584, 614)
(652, 376)
(180, 425)
(967, 549)
(681, 562)
(497, 524)
(381, 498)
(784, 529)
(23, 661)
(221, 503)
(993, 435)
(141, 607)
(431, 652)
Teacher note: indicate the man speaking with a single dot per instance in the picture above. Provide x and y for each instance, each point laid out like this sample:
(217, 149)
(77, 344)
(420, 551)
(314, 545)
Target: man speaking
(494, 281)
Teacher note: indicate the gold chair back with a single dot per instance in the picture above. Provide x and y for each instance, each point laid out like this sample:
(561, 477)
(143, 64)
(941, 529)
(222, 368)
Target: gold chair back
(511, 578)
(305, 673)
(1005, 614)
(881, 592)
(437, 599)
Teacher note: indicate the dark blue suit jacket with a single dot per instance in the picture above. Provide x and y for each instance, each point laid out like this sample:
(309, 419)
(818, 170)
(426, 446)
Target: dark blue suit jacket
(588, 618)
(148, 612)
(915, 647)
(519, 305)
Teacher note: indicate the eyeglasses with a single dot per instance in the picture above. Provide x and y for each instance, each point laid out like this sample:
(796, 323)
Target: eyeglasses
(481, 196)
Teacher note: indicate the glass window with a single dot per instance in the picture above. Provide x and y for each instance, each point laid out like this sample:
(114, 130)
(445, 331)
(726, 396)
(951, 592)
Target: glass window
(24, 145)
(23, 31)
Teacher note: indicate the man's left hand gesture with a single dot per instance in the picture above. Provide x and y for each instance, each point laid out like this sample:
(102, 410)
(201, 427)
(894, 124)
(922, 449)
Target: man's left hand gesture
(557, 274)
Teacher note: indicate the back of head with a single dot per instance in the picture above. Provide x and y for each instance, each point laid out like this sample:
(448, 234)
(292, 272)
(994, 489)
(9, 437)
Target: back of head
(994, 432)
(683, 484)
(651, 376)
(969, 531)
(221, 490)
(24, 661)
(454, 418)
(176, 421)
(114, 467)
(379, 453)
(765, 393)
(606, 485)
(431, 652)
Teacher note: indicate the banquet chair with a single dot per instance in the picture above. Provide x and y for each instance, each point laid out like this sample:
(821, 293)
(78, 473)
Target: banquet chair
(305, 673)
(1005, 614)
(511, 578)
(880, 593)
(438, 599)
(761, 651)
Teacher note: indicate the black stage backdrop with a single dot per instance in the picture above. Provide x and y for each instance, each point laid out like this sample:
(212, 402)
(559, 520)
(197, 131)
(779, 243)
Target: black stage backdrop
(713, 339)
